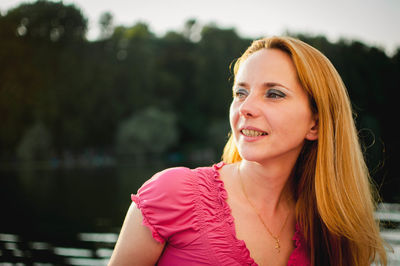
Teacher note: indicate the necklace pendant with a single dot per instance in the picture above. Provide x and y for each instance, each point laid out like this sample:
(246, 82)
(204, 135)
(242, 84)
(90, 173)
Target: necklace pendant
(277, 246)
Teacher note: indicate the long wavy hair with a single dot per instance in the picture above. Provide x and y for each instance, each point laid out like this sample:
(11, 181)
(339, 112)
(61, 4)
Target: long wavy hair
(335, 196)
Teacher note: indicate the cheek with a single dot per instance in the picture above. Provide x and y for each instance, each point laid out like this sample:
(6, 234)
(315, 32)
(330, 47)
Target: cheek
(231, 112)
(295, 120)
(233, 116)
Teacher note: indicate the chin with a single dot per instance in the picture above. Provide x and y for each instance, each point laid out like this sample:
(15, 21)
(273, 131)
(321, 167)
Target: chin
(252, 156)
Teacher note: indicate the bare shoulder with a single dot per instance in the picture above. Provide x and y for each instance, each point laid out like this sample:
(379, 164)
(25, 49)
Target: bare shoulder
(135, 245)
(226, 174)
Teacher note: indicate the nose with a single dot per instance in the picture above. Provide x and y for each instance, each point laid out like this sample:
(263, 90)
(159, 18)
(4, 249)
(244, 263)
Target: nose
(249, 107)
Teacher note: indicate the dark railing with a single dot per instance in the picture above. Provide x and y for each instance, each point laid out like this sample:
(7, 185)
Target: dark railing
(85, 249)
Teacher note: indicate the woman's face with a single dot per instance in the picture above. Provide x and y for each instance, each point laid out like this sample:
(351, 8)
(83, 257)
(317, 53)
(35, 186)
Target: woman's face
(270, 114)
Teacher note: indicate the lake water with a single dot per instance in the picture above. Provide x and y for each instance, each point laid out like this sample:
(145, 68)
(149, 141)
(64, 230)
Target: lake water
(72, 216)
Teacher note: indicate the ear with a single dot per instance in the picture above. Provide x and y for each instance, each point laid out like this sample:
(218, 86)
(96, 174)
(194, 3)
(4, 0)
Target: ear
(312, 134)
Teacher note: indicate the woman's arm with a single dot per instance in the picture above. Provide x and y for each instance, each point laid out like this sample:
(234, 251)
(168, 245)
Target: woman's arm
(135, 245)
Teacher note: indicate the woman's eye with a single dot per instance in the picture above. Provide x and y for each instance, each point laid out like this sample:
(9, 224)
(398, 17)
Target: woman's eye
(275, 94)
(240, 93)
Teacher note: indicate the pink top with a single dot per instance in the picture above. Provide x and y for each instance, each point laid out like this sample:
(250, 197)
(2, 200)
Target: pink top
(187, 209)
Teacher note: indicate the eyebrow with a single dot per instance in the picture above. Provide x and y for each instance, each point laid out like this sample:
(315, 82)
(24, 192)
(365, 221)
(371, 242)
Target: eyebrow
(265, 84)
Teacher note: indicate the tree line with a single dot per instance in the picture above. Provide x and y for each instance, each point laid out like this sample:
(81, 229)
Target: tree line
(133, 93)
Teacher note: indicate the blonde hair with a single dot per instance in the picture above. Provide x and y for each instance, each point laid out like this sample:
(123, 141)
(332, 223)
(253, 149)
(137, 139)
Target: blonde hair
(335, 203)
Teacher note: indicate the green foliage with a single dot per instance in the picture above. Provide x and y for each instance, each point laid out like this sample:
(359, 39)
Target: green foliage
(217, 49)
(106, 25)
(218, 132)
(52, 21)
(150, 131)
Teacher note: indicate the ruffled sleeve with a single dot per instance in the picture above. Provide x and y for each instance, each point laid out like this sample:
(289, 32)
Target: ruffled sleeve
(166, 203)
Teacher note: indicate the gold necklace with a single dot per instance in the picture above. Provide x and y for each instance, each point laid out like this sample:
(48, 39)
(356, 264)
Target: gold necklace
(275, 237)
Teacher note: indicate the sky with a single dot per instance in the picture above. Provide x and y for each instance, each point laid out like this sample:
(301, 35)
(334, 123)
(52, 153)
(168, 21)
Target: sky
(373, 22)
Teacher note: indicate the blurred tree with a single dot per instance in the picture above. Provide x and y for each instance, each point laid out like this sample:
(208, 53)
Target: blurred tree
(390, 138)
(218, 134)
(217, 49)
(174, 80)
(49, 21)
(29, 33)
(192, 30)
(212, 93)
(106, 25)
(150, 131)
(134, 50)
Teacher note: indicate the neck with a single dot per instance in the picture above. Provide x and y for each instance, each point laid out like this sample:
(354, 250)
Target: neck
(268, 187)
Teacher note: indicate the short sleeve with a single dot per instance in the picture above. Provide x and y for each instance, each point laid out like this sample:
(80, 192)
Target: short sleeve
(167, 205)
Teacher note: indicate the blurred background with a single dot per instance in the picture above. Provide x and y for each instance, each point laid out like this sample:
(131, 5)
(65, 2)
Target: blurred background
(96, 98)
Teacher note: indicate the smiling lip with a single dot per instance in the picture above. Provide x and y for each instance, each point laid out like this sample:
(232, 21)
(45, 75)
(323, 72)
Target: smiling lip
(252, 133)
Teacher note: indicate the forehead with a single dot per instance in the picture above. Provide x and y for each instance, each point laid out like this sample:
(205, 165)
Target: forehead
(267, 65)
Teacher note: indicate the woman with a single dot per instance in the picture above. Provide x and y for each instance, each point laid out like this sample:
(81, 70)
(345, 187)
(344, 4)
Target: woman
(293, 187)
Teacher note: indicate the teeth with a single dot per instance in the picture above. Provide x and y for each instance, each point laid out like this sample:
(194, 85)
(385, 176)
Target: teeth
(253, 133)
